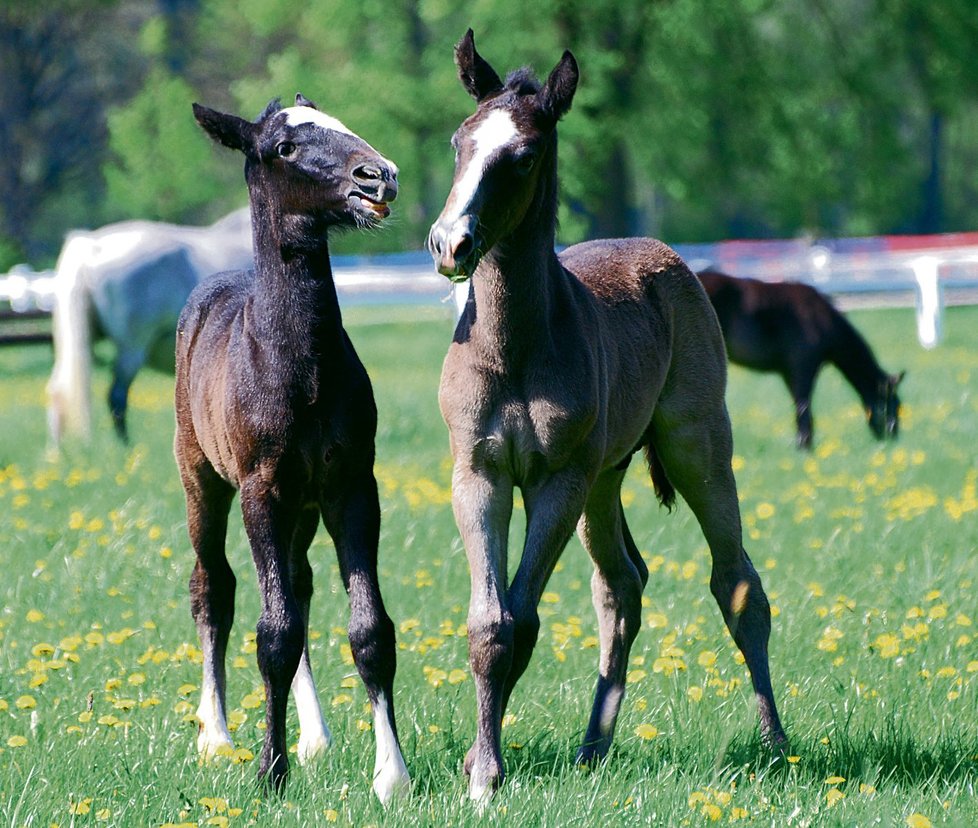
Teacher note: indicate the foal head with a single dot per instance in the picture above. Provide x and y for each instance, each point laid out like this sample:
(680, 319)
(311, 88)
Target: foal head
(505, 159)
(306, 163)
(883, 415)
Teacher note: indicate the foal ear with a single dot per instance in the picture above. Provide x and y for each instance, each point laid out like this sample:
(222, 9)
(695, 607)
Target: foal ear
(230, 130)
(558, 92)
(478, 77)
(302, 100)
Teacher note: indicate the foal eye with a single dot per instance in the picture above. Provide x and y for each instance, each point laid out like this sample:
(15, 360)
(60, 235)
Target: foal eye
(285, 149)
(525, 163)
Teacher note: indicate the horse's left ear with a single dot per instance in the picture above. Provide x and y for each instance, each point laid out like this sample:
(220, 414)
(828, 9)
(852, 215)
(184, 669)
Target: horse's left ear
(230, 130)
(558, 92)
(302, 100)
(478, 77)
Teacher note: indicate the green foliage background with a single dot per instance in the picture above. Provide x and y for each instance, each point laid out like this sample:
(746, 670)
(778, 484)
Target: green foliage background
(695, 119)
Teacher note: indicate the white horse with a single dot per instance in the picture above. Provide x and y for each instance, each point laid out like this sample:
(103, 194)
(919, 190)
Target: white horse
(128, 282)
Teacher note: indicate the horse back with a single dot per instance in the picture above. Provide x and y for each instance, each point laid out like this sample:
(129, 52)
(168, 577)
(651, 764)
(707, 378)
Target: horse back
(772, 326)
(660, 332)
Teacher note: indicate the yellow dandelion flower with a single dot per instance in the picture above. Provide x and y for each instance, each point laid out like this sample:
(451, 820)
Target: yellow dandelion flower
(764, 510)
(251, 701)
(917, 820)
(550, 598)
(634, 676)
(695, 693)
(242, 755)
(341, 698)
(79, 808)
(41, 650)
(16, 741)
(794, 760)
(34, 616)
(25, 703)
(834, 780)
(646, 731)
(331, 814)
(834, 796)
(457, 676)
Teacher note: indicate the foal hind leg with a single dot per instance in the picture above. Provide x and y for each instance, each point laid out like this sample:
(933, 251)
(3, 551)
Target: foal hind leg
(616, 591)
(212, 586)
(695, 450)
(352, 518)
(314, 735)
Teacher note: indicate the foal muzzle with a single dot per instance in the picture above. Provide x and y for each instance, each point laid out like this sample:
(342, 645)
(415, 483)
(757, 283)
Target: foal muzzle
(455, 247)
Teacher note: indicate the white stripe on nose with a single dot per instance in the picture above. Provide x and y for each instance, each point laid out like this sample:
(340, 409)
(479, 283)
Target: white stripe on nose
(494, 133)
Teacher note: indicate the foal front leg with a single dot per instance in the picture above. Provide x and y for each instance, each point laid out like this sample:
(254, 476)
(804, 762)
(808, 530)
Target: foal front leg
(352, 518)
(483, 507)
(270, 524)
(314, 735)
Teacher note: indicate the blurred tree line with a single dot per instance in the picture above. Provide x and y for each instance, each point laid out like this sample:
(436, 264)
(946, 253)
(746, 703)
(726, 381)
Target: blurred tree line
(695, 120)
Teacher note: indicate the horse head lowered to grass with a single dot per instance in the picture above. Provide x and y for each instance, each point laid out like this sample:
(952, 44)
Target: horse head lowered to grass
(792, 329)
(560, 369)
(272, 401)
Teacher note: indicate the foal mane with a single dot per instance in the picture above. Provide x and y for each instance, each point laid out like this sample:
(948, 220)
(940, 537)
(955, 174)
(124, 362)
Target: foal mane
(523, 81)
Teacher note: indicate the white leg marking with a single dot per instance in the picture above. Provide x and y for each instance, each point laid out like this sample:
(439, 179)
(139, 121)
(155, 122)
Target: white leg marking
(213, 736)
(314, 735)
(391, 777)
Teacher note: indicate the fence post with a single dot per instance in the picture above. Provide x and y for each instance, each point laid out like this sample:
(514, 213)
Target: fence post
(930, 300)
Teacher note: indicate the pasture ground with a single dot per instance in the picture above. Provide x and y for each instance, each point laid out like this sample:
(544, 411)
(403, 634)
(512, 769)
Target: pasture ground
(867, 551)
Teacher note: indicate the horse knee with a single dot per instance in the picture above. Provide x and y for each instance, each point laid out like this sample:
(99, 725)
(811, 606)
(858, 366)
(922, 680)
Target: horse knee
(491, 643)
(280, 639)
(212, 596)
(372, 644)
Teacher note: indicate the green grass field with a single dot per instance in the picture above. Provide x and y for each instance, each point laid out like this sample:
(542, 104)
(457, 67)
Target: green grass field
(867, 551)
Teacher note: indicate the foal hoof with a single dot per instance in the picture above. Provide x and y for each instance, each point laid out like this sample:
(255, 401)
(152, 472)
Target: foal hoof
(311, 748)
(273, 775)
(212, 743)
(483, 784)
(392, 782)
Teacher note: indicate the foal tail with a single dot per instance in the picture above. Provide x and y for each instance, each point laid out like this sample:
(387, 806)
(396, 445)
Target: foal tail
(664, 490)
(69, 388)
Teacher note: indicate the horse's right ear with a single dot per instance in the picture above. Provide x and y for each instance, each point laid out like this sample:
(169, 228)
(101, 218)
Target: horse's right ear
(478, 77)
(230, 130)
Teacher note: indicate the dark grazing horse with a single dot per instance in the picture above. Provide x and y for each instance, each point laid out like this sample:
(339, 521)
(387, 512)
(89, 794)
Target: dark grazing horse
(793, 330)
(272, 401)
(561, 368)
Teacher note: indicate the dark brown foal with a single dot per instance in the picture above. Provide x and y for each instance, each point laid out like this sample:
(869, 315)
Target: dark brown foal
(272, 401)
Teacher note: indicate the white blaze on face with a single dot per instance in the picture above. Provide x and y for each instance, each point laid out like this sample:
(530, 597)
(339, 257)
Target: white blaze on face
(494, 133)
(298, 115)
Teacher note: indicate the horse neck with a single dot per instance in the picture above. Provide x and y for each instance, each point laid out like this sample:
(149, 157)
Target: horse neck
(517, 283)
(851, 354)
(295, 304)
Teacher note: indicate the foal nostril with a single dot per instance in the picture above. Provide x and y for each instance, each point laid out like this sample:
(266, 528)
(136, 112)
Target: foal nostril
(368, 173)
(464, 248)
